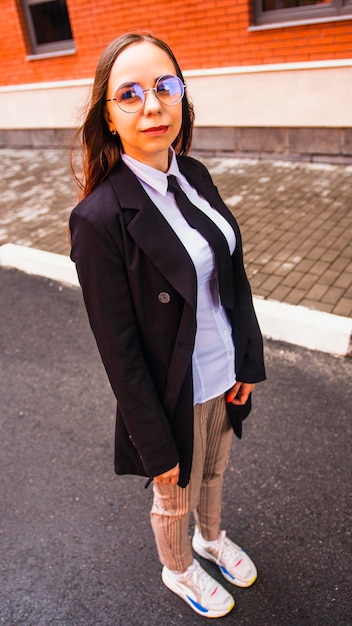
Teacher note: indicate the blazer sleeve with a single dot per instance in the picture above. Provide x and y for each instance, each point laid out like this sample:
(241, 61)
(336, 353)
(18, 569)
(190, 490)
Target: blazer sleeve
(97, 251)
(252, 367)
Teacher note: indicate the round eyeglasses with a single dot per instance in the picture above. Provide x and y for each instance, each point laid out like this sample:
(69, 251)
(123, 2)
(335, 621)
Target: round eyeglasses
(130, 97)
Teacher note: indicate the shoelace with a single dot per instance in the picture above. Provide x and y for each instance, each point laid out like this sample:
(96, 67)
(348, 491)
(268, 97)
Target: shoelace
(200, 578)
(227, 553)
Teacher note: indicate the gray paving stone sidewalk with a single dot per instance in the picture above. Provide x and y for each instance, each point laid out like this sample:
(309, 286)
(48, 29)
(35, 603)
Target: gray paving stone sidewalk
(296, 219)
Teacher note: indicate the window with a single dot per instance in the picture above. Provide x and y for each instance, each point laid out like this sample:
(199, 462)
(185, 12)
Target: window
(48, 25)
(276, 11)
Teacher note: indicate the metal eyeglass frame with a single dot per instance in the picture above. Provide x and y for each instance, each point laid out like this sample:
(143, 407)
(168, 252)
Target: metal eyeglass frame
(155, 89)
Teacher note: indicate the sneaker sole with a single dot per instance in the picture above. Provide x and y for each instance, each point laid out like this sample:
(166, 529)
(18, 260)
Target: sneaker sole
(192, 603)
(234, 581)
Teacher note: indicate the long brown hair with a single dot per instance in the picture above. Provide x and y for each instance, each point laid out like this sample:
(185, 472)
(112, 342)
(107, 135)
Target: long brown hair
(101, 151)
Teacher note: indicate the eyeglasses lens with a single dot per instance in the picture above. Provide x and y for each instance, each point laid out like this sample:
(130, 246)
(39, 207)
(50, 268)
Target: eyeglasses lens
(169, 89)
(130, 97)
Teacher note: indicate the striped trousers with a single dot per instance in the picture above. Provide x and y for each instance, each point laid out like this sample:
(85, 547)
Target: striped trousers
(172, 505)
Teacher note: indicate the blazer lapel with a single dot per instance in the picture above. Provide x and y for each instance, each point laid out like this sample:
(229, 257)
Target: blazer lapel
(204, 185)
(153, 234)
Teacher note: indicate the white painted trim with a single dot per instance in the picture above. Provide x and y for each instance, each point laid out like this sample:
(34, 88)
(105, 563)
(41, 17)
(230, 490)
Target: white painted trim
(276, 98)
(214, 71)
(58, 84)
(297, 325)
(273, 67)
(311, 94)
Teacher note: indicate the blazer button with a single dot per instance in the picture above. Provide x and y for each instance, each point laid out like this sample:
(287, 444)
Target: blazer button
(164, 297)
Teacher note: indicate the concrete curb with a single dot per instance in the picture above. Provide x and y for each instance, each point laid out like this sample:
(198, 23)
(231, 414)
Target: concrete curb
(312, 329)
(309, 328)
(33, 261)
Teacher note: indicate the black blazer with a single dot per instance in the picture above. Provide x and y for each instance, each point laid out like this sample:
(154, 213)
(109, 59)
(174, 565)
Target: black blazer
(139, 288)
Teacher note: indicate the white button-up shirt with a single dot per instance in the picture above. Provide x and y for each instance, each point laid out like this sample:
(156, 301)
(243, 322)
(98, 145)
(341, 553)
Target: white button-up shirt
(214, 353)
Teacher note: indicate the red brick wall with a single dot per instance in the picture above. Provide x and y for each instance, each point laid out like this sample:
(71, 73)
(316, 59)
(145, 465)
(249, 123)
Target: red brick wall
(203, 34)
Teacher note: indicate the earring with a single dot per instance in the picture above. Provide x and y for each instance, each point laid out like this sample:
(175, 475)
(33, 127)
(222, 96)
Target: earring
(113, 131)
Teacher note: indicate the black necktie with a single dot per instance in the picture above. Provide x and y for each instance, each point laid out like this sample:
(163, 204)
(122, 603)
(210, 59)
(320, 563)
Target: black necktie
(214, 236)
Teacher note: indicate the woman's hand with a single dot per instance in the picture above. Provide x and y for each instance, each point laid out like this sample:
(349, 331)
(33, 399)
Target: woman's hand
(170, 477)
(239, 393)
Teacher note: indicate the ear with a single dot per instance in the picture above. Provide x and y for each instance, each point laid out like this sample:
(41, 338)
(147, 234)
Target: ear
(108, 118)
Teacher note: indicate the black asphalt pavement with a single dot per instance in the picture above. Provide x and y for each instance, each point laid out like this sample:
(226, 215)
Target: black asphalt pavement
(76, 544)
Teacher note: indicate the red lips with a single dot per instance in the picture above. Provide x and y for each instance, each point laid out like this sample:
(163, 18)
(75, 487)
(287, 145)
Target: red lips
(156, 130)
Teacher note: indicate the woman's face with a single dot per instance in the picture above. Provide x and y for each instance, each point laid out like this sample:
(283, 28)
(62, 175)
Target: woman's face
(147, 134)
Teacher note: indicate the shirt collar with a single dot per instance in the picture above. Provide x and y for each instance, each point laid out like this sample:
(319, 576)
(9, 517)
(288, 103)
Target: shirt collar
(149, 175)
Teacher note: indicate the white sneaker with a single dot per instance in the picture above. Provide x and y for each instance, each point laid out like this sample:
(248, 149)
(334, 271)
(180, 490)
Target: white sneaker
(234, 564)
(206, 596)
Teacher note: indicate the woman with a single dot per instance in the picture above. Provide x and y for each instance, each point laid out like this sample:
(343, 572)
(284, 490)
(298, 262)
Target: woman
(176, 331)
